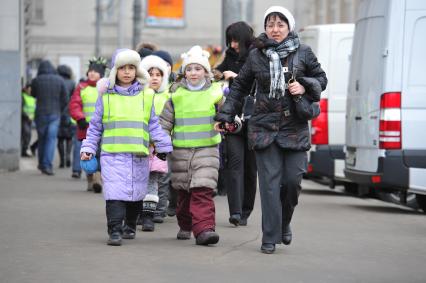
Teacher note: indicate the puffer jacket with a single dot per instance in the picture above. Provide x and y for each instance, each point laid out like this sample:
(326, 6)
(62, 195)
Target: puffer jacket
(50, 91)
(76, 105)
(191, 167)
(124, 175)
(269, 123)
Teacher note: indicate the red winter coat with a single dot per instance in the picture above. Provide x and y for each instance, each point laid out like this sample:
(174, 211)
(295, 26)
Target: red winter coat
(76, 106)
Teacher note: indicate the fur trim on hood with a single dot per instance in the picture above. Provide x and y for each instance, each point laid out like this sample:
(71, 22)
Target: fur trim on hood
(153, 61)
(123, 57)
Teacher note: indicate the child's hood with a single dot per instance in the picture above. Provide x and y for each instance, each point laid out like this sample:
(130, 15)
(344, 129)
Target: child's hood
(122, 57)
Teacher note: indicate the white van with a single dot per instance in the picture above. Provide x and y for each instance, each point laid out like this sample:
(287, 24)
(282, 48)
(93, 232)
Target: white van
(332, 45)
(386, 105)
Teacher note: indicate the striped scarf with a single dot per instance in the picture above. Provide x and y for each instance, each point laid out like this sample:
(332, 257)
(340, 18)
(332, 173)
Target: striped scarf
(275, 52)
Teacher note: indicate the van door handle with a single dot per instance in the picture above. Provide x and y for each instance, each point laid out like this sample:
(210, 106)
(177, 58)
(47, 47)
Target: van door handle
(358, 118)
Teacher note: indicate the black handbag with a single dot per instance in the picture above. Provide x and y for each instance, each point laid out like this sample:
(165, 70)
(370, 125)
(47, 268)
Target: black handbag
(305, 108)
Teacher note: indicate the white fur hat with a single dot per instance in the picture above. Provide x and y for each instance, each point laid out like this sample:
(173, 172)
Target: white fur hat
(152, 61)
(124, 57)
(285, 12)
(196, 55)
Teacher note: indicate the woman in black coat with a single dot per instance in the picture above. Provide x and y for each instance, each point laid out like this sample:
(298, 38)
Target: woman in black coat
(276, 131)
(239, 173)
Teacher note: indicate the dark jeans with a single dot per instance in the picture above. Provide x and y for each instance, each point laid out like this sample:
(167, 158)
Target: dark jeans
(121, 213)
(280, 177)
(25, 134)
(76, 145)
(47, 131)
(240, 173)
(64, 149)
(163, 193)
(195, 210)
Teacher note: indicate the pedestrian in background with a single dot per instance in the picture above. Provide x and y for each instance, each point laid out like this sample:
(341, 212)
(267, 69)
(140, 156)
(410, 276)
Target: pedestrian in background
(159, 177)
(50, 91)
(188, 116)
(67, 126)
(239, 173)
(172, 194)
(124, 123)
(278, 135)
(82, 107)
(27, 118)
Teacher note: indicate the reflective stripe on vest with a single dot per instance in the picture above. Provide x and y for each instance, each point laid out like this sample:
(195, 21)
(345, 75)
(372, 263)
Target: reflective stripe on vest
(89, 95)
(194, 117)
(126, 122)
(29, 105)
(159, 100)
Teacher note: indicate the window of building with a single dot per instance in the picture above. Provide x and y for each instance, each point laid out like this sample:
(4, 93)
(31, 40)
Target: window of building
(108, 11)
(35, 10)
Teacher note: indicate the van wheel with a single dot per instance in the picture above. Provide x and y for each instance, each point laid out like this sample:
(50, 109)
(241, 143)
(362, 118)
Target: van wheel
(421, 201)
(394, 197)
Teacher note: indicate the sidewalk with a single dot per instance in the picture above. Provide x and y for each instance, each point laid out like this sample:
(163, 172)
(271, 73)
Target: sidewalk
(52, 230)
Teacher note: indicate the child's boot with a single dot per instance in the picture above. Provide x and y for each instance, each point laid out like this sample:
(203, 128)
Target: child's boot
(97, 182)
(207, 237)
(114, 239)
(148, 209)
(90, 182)
(129, 231)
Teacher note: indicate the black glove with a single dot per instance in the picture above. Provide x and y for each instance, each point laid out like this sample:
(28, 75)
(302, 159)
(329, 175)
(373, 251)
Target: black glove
(82, 124)
(161, 156)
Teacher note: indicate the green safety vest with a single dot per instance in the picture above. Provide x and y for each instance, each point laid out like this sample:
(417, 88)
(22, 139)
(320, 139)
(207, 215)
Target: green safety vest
(159, 100)
(89, 95)
(29, 105)
(194, 113)
(125, 121)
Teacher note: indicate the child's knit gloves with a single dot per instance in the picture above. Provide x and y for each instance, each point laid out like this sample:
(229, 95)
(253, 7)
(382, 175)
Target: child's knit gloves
(82, 124)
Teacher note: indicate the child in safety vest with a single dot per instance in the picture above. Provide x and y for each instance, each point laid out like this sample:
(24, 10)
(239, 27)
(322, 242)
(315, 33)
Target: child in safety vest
(188, 117)
(124, 122)
(27, 118)
(159, 177)
(81, 108)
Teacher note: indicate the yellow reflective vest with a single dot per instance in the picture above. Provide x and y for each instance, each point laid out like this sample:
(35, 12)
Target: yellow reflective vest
(159, 100)
(89, 95)
(29, 105)
(125, 121)
(194, 117)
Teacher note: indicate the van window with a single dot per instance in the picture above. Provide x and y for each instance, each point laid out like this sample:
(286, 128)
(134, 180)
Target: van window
(416, 74)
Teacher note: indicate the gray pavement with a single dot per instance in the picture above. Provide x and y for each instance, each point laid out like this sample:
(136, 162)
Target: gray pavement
(52, 230)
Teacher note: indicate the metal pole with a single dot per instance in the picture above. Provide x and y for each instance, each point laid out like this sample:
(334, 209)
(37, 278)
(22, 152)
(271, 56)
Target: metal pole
(120, 26)
(231, 12)
(137, 22)
(98, 28)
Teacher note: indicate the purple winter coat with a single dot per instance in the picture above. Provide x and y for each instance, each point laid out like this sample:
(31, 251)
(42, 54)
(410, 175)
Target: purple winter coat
(124, 175)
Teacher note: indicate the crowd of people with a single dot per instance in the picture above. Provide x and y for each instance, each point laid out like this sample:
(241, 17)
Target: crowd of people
(166, 144)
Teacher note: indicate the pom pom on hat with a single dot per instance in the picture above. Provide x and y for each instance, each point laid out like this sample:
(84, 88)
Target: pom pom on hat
(286, 13)
(196, 55)
(124, 57)
(153, 61)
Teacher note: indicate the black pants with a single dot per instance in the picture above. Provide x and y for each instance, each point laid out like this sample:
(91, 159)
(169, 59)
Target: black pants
(25, 134)
(240, 175)
(280, 177)
(121, 213)
(64, 148)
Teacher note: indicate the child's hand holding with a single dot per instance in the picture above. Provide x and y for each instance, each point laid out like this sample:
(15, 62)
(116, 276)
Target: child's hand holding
(86, 156)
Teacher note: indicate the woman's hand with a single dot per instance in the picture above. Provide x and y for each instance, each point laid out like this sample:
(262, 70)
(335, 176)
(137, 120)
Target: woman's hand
(296, 88)
(86, 156)
(218, 126)
(229, 75)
